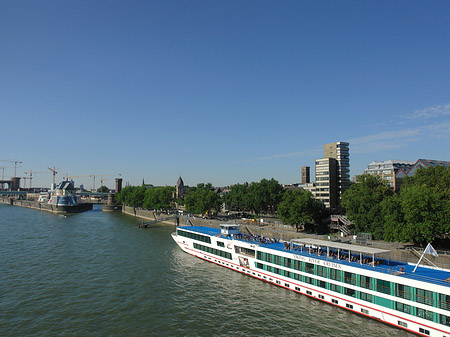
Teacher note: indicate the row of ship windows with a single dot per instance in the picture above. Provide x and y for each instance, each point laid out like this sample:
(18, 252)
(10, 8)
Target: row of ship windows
(426, 314)
(194, 236)
(213, 251)
(395, 289)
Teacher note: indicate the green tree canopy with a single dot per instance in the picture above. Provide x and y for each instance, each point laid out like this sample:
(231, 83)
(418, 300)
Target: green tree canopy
(362, 202)
(298, 207)
(103, 189)
(259, 197)
(202, 199)
(159, 198)
(236, 199)
(419, 213)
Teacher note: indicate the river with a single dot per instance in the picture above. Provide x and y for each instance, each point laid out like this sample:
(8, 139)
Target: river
(96, 274)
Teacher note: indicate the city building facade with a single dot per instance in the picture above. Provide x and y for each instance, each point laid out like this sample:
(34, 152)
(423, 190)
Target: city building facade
(306, 177)
(394, 171)
(326, 186)
(340, 152)
(391, 171)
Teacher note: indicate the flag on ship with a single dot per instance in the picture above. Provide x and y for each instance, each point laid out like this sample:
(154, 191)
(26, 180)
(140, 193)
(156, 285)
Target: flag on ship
(430, 250)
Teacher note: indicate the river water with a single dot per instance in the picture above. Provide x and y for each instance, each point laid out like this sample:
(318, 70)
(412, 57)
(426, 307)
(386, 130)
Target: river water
(96, 274)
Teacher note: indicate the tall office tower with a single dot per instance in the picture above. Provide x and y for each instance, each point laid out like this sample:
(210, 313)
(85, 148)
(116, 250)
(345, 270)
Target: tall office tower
(306, 178)
(326, 181)
(340, 152)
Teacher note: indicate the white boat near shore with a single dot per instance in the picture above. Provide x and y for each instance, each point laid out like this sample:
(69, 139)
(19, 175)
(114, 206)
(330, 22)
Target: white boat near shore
(360, 279)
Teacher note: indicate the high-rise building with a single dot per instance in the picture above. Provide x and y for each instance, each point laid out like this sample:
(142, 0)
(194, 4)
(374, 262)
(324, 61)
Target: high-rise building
(340, 152)
(326, 181)
(306, 178)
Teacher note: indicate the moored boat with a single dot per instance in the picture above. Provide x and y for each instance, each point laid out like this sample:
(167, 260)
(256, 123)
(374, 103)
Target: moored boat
(360, 279)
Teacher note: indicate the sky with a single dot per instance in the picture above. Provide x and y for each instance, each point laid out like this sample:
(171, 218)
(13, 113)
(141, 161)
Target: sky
(219, 91)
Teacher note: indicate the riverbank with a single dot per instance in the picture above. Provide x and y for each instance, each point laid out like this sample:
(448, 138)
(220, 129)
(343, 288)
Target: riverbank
(398, 251)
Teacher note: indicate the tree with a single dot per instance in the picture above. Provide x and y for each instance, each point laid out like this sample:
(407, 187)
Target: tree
(263, 196)
(202, 199)
(425, 214)
(236, 199)
(298, 207)
(103, 189)
(159, 198)
(362, 202)
(124, 196)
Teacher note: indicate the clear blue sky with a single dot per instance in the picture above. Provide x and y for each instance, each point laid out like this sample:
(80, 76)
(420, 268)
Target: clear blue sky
(220, 91)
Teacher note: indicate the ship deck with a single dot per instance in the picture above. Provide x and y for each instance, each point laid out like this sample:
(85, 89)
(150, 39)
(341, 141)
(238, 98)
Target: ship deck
(386, 266)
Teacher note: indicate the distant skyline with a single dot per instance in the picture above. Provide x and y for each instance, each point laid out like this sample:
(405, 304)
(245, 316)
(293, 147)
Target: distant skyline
(219, 91)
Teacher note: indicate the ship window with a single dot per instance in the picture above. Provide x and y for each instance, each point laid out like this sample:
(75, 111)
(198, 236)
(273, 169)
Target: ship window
(365, 282)
(321, 297)
(403, 291)
(444, 302)
(349, 292)
(308, 292)
(349, 278)
(309, 280)
(445, 320)
(403, 324)
(335, 274)
(403, 307)
(424, 314)
(287, 262)
(220, 244)
(321, 284)
(334, 301)
(286, 285)
(366, 297)
(349, 306)
(297, 288)
(321, 271)
(424, 296)
(334, 287)
(298, 265)
(424, 331)
(365, 311)
(383, 286)
(245, 251)
(309, 268)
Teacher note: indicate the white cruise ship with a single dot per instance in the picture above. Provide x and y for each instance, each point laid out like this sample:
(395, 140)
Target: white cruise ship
(359, 279)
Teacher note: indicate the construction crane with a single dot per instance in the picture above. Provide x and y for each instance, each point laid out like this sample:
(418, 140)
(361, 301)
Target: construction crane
(54, 171)
(101, 183)
(3, 171)
(25, 182)
(15, 165)
(93, 176)
(31, 176)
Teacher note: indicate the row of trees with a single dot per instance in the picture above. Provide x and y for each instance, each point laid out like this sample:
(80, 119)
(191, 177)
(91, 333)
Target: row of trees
(297, 208)
(157, 198)
(419, 213)
(258, 197)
